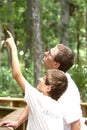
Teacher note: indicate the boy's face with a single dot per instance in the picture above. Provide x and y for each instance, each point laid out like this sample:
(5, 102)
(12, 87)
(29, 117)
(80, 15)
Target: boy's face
(48, 59)
(42, 87)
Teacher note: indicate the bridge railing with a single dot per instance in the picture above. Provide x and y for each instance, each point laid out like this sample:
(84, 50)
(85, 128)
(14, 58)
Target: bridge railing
(11, 108)
(13, 115)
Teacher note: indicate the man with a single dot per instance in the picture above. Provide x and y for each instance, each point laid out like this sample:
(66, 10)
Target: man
(45, 112)
(61, 57)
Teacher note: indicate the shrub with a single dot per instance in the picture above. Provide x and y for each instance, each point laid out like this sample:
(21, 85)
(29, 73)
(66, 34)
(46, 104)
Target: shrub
(79, 75)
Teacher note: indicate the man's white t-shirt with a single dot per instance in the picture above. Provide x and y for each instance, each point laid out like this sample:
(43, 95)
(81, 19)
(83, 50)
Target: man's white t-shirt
(70, 102)
(45, 113)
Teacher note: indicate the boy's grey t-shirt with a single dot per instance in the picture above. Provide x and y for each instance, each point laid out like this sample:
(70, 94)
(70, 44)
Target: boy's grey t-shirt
(45, 113)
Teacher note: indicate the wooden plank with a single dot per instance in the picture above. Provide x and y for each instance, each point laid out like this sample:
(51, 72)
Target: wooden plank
(11, 99)
(13, 116)
(5, 128)
(84, 109)
(6, 110)
(83, 103)
(12, 102)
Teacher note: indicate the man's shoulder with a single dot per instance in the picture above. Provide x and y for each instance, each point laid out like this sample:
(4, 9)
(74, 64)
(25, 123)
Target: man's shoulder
(68, 76)
(72, 89)
(71, 82)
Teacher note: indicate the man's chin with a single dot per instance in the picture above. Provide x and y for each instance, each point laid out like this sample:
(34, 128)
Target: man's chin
(42, 62)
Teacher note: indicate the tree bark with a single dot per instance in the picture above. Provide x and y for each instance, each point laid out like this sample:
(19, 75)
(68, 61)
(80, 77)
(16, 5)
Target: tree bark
(37, 40)
(86, 29)
(10, 26)
(64, 26)
(29, 34)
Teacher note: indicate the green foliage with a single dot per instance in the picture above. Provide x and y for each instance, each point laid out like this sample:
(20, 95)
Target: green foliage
(79, 74)
(19, 21)
(50, 21)
(18, 9)
(50, 15)
(28, 73)
(8, 86)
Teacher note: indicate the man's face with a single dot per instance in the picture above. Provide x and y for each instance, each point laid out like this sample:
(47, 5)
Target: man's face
(48, 59)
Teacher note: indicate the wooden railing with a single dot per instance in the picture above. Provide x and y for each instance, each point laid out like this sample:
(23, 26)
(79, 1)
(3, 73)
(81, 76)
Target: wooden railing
(11, 109)
(18, 102)
(84, 109)
(12, 102)
(13, 116)
(14, 107)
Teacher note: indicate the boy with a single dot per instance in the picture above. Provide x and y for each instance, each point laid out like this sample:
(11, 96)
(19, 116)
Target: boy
(45, 112)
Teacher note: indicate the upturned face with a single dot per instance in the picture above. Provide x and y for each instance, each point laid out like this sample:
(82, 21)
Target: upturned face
(48, 59)
(42, 87)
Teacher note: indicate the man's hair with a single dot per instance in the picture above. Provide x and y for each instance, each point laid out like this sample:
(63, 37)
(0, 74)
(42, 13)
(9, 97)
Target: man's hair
(58, 81)
(65, 57)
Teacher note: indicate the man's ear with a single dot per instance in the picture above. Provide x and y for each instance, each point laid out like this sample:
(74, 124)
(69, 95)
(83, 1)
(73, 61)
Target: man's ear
(56, 65)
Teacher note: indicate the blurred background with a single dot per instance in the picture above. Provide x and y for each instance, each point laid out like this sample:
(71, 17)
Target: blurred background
(37, 26)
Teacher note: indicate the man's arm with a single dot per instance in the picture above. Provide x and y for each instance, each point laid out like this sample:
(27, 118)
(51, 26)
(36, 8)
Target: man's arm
(76, 125)
(16, 71)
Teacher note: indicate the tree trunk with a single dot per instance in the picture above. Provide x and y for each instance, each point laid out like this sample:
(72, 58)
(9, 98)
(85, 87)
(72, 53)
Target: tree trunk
(10, 26)
(86, 30)
(78, 45)
(29, 33)
(78, 18)
(0, 35)
(37, 40)
(64, 26)
(0, 42)
(11, 16)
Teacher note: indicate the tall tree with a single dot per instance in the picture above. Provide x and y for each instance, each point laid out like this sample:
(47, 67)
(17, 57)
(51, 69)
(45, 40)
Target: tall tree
(64, 26)
(0, 34)
(0, 42)
(10, 24)
(37, 40)
(11, 15)
(86, 29)
(29, 33)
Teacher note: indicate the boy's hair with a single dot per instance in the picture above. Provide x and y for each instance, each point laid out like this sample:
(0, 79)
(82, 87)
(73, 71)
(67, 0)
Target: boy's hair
(58, 81)
(65, 57)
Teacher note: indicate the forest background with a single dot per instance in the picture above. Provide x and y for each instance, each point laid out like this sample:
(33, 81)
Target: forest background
(37, 26)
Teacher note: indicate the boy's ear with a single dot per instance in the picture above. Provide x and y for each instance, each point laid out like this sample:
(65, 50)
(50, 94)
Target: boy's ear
(48, 88)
